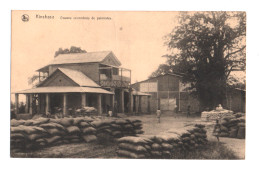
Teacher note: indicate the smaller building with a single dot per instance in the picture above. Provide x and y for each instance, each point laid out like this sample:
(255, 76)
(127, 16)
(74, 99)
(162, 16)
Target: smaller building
(168, 93)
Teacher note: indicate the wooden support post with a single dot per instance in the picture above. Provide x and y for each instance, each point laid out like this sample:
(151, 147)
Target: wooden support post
(112, 100)
(149, 104)
(39, 104)
(121, 79)
(16, 103)
(136, 104)
(99, 104)
(83, 100)
(27, 104)
(140, 104)
(31, 104)
(65, 99)
(47, 107)
(130, 106)
(122, 104)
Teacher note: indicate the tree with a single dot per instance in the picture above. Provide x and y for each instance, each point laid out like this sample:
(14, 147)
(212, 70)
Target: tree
(73, 49)
(206, 47)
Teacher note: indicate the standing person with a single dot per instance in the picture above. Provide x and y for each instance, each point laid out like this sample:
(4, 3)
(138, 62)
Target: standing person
(188, 111)
(158, 114)
(217, 130)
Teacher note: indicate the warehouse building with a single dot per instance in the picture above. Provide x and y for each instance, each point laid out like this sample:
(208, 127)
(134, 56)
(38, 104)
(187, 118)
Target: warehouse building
(168, 93)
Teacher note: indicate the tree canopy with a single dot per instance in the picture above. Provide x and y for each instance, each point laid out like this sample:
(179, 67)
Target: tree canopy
(206, 47)
(73, 49)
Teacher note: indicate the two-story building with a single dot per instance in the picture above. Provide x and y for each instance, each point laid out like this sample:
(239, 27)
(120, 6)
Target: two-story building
(77, 80)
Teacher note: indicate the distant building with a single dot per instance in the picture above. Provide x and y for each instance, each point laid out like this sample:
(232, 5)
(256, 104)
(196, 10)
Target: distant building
(77, 80)
(168, 93)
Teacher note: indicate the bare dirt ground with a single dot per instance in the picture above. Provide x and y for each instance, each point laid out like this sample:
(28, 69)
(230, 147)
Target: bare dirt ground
(150, 127)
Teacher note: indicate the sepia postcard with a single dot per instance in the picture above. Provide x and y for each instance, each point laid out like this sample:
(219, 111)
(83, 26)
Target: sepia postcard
(128, 84)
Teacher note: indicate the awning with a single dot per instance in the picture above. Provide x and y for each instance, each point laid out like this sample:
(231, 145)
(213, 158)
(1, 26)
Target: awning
(64, 89)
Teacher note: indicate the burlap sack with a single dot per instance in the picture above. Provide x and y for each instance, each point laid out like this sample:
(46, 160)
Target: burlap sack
(73, 130)
(89, 138)
(52, 140)
(52, 125)
(54, 132)
(133, 140)
(84, 124)
(66, 122)
(15, 136)
(128, 154)
(133, 148)
(40, 121)
(15, 122)
(89, 130)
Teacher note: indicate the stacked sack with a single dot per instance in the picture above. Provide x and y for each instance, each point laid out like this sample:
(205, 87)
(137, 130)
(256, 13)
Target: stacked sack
(164, 145)
(137, 126)
(198, 136)
(110, 129)
(42, 132)
(215, 114)
(233, 126)
(134, 147)
(191, 137)
(103, 130)
(28, 134)
(88, 132)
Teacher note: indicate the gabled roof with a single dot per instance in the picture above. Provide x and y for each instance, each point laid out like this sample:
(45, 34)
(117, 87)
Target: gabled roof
(76, 76)
(82, 58)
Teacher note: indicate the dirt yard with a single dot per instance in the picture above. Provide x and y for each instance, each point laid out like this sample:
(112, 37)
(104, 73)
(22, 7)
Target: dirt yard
(150, 127)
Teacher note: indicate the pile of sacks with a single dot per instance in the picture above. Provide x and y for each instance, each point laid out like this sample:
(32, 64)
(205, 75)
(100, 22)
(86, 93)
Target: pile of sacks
(134, 147)
(109, 129)
(233, 126)
(41, 132)
(164, 145)
(215, 114)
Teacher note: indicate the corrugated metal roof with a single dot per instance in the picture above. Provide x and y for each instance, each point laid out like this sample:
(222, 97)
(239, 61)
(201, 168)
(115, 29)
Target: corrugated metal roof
(65, 90)
(80, 57)
(78, 77)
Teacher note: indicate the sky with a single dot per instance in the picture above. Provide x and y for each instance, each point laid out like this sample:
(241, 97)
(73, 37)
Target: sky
(136, 38)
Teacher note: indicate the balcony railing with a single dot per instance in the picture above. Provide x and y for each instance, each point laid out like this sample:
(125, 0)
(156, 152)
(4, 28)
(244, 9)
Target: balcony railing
(115, 81)
(109, 79)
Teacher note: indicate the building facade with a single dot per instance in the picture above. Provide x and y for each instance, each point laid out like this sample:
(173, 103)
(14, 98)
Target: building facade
(168, 93)
(72, 81)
